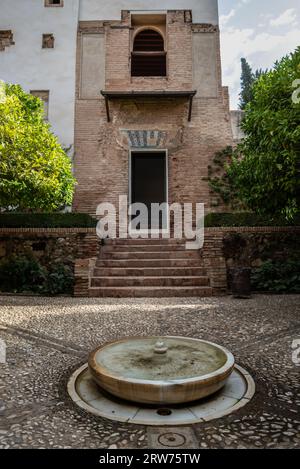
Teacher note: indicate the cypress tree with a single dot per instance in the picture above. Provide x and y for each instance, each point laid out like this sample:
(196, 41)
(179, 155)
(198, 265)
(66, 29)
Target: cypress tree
(247, 80)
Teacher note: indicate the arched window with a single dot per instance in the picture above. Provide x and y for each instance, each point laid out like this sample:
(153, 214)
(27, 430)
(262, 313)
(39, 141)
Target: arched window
(148, 55)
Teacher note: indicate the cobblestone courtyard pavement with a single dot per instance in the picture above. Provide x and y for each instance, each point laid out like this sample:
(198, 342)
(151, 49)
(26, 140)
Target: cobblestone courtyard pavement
(47, 339)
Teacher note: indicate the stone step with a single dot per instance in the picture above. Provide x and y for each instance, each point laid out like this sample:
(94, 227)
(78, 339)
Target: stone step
(149, 281)
(143, 247)
(150, 292)
(148, 262)
(149, 271)
(128, 241)
(118, 255)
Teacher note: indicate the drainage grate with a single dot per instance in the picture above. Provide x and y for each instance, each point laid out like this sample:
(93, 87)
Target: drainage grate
(164, 412)
(175, 437)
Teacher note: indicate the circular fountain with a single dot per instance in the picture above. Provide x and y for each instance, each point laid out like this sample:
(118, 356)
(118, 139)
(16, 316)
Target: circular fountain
(160, 381)
(151, 370)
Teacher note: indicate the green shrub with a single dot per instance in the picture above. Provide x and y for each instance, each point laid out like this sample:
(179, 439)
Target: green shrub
(46, 220)
(22, 274)
(60, 280)
(35, 171)
(245, 219)
(277, 277)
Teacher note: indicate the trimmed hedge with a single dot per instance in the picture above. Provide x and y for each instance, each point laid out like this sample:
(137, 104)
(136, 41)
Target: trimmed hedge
(245, 219)
(83, 220)
(47, 220)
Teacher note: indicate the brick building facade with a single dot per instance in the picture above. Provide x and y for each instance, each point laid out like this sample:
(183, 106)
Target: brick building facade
(181, 117)
(157, 64)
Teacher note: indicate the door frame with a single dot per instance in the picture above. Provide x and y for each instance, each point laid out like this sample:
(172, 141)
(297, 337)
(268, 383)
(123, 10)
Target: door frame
(149, 150)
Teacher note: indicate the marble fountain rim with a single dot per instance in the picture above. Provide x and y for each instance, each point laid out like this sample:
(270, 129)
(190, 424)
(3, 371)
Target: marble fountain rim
(218, 374)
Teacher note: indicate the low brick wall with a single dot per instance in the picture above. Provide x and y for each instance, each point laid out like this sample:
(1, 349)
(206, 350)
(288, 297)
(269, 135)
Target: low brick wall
(214, 261)
(71, 246)
(83, 273)
(226, 248)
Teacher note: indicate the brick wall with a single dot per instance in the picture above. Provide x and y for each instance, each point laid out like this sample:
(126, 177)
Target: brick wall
(255, 245)
(70, 246)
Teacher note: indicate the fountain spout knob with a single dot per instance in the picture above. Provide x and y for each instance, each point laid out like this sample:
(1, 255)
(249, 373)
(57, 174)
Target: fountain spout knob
(160, 347)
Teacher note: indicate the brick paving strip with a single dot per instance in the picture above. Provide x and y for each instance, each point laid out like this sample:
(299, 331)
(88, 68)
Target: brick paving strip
(285, 333)
(45, 340)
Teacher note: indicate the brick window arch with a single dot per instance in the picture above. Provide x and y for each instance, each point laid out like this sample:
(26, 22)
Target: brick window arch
(148, 54)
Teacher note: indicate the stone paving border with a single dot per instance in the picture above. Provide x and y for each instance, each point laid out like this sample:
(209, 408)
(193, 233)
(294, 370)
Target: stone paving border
(238, 391)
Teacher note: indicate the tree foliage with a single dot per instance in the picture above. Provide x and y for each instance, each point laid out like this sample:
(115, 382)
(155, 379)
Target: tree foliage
(248, 78)
(267, 175)
(35, 172)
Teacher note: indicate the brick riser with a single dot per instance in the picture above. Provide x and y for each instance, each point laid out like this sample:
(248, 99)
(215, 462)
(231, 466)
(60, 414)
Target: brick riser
(144, 247)
(147, 263)
(148, 268)
(149, 281)
(149, 271)
(130, 255)
(149, 292)
(142, 242)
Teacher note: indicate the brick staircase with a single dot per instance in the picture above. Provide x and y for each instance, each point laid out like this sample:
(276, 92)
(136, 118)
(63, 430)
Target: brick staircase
(148, 268)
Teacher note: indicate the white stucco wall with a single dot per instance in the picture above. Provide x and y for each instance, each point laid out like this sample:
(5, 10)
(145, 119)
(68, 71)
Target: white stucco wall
(204, 11)
(35, 68)
(236, 118)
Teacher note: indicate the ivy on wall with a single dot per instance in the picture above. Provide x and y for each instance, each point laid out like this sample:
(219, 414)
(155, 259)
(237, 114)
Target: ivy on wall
(219, 181)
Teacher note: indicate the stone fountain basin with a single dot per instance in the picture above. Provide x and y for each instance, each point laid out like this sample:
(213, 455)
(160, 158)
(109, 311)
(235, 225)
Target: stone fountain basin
(190, 370)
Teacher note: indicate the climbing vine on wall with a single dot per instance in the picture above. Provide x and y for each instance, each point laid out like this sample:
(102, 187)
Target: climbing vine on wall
(219, 182)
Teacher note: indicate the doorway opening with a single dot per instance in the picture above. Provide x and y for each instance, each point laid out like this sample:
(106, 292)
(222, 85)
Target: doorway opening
(148, 184)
